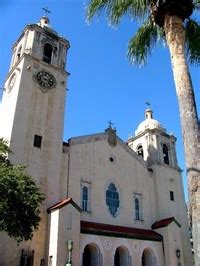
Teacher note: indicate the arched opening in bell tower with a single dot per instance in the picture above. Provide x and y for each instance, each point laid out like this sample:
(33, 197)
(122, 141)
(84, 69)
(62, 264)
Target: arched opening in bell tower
(47, 53)
(165, 154)
(140, 151)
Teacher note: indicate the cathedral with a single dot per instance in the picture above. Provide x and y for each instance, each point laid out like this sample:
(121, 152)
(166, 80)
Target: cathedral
(107, 202)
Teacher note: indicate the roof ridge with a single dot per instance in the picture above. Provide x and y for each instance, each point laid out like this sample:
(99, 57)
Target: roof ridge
(63, 203)
(165, 222)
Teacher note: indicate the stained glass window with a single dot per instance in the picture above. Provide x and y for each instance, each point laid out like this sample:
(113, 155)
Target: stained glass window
(112, 199)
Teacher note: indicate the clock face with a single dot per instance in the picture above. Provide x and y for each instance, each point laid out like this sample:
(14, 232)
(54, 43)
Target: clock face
(45, 79)
(12, 82)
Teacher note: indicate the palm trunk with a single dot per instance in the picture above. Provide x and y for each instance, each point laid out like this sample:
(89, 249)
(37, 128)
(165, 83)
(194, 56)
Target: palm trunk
(175, 36)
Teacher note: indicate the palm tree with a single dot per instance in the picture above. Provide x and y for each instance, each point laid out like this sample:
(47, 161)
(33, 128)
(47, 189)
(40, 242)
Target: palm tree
(172, 21)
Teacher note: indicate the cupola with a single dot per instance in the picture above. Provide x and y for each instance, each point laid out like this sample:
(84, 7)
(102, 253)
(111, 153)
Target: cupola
(148, 123)
(44, 21)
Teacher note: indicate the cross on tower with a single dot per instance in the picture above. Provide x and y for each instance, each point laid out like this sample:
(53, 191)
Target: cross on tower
(46, 10)
(110, 124)
(148, 104)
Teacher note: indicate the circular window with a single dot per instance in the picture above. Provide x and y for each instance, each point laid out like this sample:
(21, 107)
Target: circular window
(112, 158)
(112, 199)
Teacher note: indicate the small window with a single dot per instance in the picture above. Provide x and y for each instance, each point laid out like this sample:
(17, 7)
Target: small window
(27, 258)
(138, 207)
(37, 141)
(47, 53)
(165, 154)
(171, 195)
(140, 151)
(85, 198)
(112, 199)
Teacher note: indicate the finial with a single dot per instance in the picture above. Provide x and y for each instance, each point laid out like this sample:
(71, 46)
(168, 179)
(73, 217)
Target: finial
(110, 124)
(44, 21)
(46, 10)
(148, 104)
(148, 111)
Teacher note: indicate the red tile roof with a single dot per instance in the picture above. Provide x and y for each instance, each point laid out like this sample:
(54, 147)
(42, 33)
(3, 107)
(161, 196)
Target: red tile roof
(119, 231)
(164, 223)
(63, 203)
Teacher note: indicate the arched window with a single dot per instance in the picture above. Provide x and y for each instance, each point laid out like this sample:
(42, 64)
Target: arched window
(140, 151)
(47, 53)
(19, 51)
(112, 199)
(165, 154)
(137, 209)
(85, 198)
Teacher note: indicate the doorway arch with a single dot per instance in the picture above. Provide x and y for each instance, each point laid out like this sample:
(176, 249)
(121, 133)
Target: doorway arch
(148, 258)
(91, 255)
(121, 257)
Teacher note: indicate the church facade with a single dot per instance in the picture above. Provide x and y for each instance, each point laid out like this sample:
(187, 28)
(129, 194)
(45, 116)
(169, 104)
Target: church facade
(108, 202)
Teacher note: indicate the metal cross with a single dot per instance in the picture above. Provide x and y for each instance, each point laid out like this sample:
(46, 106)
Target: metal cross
(148, 103)
(110, 124)
(46, 10)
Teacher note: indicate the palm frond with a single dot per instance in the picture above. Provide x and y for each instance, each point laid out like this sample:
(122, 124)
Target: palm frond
(134, 9)
(141, 45)
(96, 6)
(196, 4)
(192, 35)
(116, 9)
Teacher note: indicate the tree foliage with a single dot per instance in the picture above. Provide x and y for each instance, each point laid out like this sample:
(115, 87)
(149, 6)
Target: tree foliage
(150, 15)
(20, 199)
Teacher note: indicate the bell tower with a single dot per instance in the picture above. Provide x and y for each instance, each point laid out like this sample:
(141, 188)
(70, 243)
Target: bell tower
(157, 148)
(32, 109)
(32, 119)
(153, 143)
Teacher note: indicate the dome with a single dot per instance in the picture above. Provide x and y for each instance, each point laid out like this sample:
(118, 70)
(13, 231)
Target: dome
(148, 123)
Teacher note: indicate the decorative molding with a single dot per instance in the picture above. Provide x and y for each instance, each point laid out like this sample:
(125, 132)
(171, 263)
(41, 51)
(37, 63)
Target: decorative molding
(107, 244)
(112, 137)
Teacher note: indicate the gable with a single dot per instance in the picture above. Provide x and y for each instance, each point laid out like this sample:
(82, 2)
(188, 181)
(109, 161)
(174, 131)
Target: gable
(164, 223)
(62, 204)
(106, 139)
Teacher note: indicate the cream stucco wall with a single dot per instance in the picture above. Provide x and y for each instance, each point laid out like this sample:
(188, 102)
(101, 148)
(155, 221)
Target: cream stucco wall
(64, 226)
(90, 162)
(172, 242)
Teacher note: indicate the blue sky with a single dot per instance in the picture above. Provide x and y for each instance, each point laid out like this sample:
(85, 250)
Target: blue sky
(103, 85)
